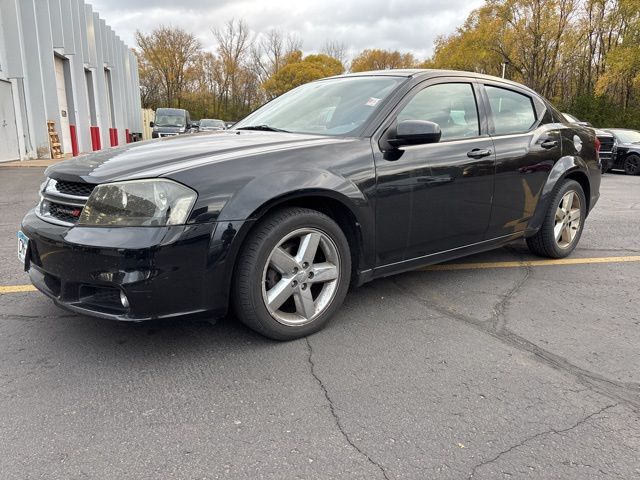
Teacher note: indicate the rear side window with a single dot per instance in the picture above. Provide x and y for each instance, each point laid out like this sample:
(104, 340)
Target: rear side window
(512, 111)
(450, 105)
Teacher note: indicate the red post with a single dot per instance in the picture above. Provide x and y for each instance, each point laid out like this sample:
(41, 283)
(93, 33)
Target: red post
(113, 134)
(95, 139)
(74, 140)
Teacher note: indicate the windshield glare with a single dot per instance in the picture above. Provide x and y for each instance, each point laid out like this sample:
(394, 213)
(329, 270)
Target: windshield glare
(212, 123)
(327, 107)
(628, 136)
(167, 120)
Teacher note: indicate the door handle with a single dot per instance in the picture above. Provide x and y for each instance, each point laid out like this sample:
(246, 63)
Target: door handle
(549, 144)
(479, 153)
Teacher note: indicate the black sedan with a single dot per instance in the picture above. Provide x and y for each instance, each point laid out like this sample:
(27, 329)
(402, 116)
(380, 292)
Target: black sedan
(335, 183)
(627, 150)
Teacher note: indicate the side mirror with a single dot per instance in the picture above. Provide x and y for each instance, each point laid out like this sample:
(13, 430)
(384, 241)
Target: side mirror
(151, 124)
(415, 132)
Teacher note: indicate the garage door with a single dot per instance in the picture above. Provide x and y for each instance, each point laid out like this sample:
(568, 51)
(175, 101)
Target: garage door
(65, 133)
(8, 130)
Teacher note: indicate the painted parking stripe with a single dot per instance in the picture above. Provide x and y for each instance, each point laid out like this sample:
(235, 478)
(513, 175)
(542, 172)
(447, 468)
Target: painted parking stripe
(16, 288)
(445, 267)
(530, 263)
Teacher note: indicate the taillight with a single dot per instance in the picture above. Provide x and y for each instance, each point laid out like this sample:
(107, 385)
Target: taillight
(598, 145)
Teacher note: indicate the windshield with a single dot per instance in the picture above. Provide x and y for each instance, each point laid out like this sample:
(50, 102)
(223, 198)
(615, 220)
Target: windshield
(328, 107)
(169, 120)
(570, 118)
(627, 136)
(211, 123)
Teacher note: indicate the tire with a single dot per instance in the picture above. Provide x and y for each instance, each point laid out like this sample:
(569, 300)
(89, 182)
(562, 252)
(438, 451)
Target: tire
(632, 164)
(563, 220)
(285, 289)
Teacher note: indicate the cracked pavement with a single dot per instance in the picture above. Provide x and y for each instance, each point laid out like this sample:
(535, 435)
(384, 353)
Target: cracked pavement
(530, 372)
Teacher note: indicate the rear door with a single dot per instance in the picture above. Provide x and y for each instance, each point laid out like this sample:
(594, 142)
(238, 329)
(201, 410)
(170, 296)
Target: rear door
(527, 144)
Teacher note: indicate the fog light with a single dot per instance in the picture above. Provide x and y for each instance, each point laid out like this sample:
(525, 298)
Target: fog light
(124, 300)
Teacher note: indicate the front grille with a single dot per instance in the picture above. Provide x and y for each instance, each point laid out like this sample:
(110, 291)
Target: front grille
(64, 213)
(74, 188)
(62, 202)
(606, 144)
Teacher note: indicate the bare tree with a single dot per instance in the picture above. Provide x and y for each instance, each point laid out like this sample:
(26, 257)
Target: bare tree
(169, 53)
(335, 49)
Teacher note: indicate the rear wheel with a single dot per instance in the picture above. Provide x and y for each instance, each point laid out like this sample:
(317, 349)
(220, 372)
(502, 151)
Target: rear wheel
(632, 165)
(563, 222)
(293, 274)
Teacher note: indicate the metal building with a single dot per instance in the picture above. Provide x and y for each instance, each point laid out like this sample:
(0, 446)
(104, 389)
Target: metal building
(61, 63)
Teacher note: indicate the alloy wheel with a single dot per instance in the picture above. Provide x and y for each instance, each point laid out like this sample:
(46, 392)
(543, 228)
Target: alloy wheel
(632, 165)
(300, 277)
(568, 219)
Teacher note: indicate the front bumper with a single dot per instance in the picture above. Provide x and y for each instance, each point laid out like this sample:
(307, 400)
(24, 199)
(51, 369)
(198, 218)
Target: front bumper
(162, 271)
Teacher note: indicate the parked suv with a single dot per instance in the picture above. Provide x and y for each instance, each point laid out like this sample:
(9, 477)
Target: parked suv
(171, 122)
(278, 216)
(627, 150)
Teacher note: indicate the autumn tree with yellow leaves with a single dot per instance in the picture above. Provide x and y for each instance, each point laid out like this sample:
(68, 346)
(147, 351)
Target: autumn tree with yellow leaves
(584, 55)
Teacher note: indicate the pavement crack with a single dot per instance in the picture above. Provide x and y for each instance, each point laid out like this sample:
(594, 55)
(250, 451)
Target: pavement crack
(334, 414)
(627, 392)
(580, 422)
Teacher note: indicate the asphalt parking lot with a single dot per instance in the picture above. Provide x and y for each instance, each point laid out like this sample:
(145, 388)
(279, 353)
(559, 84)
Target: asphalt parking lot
(501, 368)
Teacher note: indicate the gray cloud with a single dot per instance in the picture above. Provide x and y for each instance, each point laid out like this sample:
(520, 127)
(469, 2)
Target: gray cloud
(407, 25)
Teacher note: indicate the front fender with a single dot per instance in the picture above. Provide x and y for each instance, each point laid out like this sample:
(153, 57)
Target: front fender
(267, 189)
(565, 166)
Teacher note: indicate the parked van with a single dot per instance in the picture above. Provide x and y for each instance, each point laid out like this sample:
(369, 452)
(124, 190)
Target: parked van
(170, 122)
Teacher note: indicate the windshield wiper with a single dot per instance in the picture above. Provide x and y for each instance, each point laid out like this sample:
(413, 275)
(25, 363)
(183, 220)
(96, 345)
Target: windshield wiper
(264, 128)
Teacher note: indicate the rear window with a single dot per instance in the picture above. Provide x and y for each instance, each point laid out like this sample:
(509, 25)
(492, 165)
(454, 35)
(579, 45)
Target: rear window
(512, 112)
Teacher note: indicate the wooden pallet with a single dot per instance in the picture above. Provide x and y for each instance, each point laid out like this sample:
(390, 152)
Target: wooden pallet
(54, 141)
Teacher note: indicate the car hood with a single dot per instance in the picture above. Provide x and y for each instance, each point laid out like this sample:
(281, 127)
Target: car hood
(165, 156)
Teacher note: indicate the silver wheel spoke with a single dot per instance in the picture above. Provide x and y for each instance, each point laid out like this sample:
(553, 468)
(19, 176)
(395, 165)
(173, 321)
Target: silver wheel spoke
(282, 261)
(308, 248)
(566, 234)
(323, 272)
(567, 201)
(559, 214)
(304, 303)
(557, 230)
(574, 215)
(279, 293)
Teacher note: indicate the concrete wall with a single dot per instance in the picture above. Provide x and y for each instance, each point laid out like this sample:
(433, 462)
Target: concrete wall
(32, 34)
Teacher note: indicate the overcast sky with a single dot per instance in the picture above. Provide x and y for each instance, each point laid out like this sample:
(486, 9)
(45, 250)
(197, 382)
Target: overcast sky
(406, 25)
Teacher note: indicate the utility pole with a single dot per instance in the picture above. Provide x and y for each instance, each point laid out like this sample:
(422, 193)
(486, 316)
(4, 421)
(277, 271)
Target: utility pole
(504, 68)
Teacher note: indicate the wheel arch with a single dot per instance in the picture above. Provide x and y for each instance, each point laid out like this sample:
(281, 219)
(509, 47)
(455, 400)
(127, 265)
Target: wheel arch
(568, 167)
(331, 203)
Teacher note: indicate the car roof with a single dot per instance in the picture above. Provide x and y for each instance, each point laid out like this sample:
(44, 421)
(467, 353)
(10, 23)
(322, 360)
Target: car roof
(172, 110)
(424, 73)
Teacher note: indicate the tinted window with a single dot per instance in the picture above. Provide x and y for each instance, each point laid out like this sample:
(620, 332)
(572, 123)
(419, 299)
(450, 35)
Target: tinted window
(450, 105)
(512, 111)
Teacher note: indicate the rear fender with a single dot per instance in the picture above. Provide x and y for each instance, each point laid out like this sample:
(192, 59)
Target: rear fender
(565, 166)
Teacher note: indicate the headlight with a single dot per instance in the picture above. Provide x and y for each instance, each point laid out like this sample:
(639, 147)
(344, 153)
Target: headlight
(154, 202)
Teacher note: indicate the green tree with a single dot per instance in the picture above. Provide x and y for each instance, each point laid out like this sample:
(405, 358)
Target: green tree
(375, 59)
(298, 70)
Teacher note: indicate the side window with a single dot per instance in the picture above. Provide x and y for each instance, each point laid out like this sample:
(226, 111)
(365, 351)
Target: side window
(450, 105)
(512, 112)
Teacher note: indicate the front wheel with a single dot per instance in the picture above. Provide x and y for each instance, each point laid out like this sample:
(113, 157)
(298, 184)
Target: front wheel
(632, 165)
(292, 274)
(563, 222)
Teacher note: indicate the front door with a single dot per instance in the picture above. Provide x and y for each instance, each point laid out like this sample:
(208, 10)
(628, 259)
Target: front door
(436, 197)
